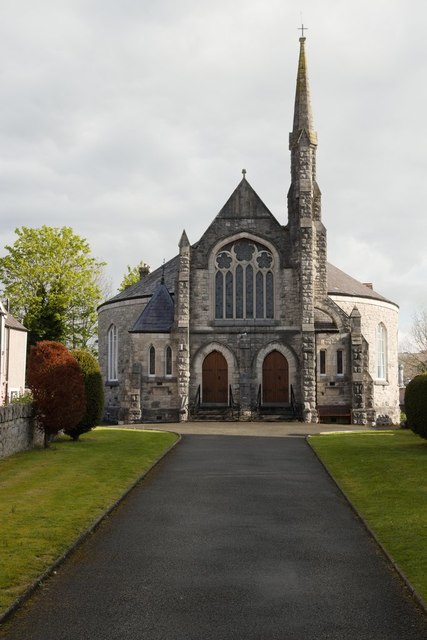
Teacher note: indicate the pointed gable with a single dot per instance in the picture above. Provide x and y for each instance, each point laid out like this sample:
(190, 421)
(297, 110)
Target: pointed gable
(158, 315)
(244, 212)
(244, 203)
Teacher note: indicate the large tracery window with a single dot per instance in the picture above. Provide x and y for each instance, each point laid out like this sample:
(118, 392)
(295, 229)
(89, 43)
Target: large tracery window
(244, 281)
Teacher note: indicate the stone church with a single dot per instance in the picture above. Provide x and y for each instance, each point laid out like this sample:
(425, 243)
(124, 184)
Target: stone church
(251, 321)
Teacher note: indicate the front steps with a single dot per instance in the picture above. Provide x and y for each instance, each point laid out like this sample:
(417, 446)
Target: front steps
(215, 413)
(275, 414)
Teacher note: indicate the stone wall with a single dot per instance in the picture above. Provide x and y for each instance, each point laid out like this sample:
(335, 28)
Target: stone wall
(334, 388)
(16, 430)
(123, 315)
(385, 393)
(155, 396)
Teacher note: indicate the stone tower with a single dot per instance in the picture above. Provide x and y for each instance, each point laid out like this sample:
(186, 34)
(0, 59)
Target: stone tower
(183, 324)
(307, 233)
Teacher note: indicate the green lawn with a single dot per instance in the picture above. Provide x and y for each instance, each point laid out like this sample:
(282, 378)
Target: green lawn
(49, 496)
(384, 474)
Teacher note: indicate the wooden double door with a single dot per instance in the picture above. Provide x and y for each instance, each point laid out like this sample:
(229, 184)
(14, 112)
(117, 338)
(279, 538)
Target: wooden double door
(275, 379)
(215, 379)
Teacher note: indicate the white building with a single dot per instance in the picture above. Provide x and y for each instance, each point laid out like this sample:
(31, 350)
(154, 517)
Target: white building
(13, 356)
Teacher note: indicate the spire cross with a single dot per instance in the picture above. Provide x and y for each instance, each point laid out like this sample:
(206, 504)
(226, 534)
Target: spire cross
(302, 29)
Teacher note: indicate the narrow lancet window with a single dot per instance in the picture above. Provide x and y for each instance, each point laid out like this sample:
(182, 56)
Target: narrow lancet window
(152, 361)
(112, 354)
(168, 361)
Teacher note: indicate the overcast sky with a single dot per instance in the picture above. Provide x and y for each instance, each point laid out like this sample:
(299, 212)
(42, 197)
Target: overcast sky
(131, 120)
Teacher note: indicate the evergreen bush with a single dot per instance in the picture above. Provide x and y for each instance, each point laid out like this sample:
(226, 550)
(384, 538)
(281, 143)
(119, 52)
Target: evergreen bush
(416, 404)
(94, 392)
(57, 386)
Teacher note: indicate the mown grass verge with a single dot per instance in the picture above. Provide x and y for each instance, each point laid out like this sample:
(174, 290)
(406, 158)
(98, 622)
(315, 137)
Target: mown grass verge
(48, 497)
(384, 475)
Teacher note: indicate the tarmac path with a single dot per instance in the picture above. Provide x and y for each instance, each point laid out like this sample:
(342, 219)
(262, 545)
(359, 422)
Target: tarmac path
(229, 538)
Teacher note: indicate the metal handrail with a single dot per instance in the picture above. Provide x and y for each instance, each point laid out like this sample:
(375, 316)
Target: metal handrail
(197, 398)
(293, 403)
(195, 406)
(231, 402)
(296, 406)
(258, 398)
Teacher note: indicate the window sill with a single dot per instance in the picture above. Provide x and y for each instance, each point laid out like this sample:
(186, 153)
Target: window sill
(112, 383)
(245, 322)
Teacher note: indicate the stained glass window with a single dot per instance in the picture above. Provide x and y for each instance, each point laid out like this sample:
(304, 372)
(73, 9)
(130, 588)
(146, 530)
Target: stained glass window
(168, 361)
(381, 349)
(239, 291)
(340, 362)
(152, 361)
(259, 295)
(112, 353)
(244, 281)
(249, 291)
(269, 295)
(229, 294)
(219, 294)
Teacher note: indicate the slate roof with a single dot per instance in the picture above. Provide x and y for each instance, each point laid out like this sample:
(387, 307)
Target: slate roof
(148, 285)
(341, 284)
(13, 323)
(158, 315)
(244, 203)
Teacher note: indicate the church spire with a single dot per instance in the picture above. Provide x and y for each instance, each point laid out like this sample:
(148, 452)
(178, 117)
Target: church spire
(303, 117)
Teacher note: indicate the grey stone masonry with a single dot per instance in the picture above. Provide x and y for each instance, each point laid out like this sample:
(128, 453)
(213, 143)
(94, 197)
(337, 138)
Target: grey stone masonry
(17, 431)
(183, 326)
(305, 226)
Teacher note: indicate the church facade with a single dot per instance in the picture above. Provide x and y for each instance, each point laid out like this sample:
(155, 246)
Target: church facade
(251, 320)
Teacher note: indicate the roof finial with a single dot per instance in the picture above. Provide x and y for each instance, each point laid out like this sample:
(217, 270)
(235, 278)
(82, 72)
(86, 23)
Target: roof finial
(244, 174)
(302, 29)
(162, 281)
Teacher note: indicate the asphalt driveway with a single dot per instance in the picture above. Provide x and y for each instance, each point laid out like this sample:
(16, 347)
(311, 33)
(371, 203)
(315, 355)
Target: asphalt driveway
(231, 537)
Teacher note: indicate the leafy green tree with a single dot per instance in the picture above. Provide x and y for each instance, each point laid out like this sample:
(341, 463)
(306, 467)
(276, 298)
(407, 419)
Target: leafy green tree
(57, 386)
(45, 318)
(94, 391)
(133, 274)
(53, 284)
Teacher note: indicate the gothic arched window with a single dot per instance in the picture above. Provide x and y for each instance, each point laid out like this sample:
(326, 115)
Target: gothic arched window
(381, 352)
(112, 353)
(168, 361)
(244, 281)
(151, 361)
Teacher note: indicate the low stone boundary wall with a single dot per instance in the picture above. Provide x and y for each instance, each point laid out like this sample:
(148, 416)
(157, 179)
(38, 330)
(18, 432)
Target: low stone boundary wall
(16, 429)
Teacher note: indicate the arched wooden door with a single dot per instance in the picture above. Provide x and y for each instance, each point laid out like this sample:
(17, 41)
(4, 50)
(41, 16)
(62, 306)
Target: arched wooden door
(275, 379)
(215, 379)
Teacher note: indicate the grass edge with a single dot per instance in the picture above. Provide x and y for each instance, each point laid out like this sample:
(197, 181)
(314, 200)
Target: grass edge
(38, 582)
(401, 574)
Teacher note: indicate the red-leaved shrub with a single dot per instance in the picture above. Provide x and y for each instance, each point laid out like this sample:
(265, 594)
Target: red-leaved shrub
(56, 382)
